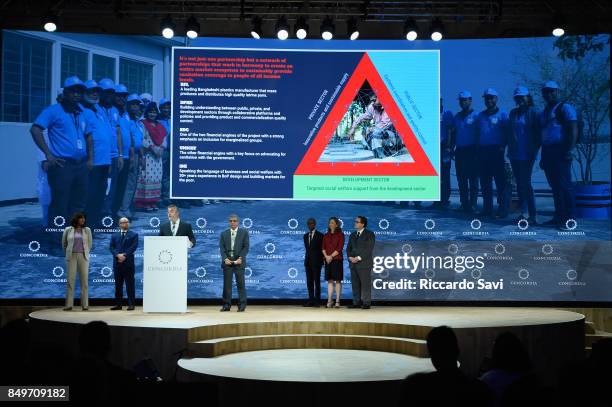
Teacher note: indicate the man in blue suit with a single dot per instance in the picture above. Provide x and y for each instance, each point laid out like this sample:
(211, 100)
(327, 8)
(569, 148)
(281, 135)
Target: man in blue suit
(234, 246)
(123, 245)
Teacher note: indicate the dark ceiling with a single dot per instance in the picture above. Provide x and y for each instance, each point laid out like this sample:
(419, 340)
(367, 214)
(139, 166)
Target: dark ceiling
(377, 19)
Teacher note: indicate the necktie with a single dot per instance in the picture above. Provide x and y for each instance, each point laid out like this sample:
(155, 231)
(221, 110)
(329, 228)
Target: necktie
(173, 227)
(122, 235)
(309, 238)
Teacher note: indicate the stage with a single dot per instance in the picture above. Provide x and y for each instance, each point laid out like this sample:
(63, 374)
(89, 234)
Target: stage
(297, 344)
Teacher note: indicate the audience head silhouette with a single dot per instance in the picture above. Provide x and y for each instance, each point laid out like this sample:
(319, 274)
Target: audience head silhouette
(443, 348)
(95, 339)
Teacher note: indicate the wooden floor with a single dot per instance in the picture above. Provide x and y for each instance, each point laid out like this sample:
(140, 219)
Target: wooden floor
(238, 345)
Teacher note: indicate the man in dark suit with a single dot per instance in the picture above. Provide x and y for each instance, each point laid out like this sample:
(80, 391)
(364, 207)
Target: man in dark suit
(177, 227)
(123, 245)
(359, 250)
(313, 260)
(234, 246)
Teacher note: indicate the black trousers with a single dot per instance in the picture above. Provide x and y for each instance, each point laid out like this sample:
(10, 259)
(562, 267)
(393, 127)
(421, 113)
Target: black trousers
(361, 283)
(68, 186)
(124, 273)
(492, 167)
(445, 187)
(228, 274)
(313, 282)
(467, 175)
(96, 192)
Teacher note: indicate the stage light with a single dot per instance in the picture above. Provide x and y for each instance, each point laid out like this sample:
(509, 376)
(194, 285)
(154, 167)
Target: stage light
(351, 28)
(282, 28)
(50, 23)
(256, 28)
(327, 29)
(436, 30)
(192, 28)
(410, 29)
(558, 25)
(167, 27)
(301, 28)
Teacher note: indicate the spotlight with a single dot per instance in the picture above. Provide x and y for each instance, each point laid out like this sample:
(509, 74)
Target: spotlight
(50, 23)
(192, 28)
(301, 28)
(558, 25)
(327, 28)
(410, 29)
(436, 29)
(256, 28)
(282, 28)
(167, 27)
(351, 28)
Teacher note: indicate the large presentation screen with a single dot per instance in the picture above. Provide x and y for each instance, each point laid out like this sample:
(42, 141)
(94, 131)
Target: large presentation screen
(449, 149)
(305, 124)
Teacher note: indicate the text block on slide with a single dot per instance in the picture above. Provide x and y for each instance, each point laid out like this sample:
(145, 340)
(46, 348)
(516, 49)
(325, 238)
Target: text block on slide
(305, 124)
(164, 286)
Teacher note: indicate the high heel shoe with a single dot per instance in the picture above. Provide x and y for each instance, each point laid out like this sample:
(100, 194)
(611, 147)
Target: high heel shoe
(329, 304)
(337, 304)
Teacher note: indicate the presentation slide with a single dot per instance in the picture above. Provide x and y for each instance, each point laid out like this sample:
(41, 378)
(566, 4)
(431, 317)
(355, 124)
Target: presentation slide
(305, 124)
(445, 148)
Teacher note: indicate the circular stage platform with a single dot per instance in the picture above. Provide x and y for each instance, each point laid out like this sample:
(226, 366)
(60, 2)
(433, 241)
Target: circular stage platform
(297, 344)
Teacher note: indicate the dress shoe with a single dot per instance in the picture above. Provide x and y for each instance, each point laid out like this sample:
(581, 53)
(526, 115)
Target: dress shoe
(67, 308)
(241, 309)
(130, 308)
(307, 304)
(116, 308)
(354, 306)
(365, 307)
(223, 309)
(85, 308)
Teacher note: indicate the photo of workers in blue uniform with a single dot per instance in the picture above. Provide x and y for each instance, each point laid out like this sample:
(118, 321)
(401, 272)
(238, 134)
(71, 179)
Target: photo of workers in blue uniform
(523, 146)
(69, 148)
(492, 136)
(558, 122)
(463, 140)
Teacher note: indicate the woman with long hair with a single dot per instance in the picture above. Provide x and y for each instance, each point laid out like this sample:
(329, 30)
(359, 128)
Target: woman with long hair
(148, 189)
(333, 245)
(77, 242)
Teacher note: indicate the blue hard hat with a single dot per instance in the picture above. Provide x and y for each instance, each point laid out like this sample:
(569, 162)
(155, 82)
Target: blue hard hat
(490, 92)
(73, 81)
(134, 97)
(107, 84)
(465, 94)
(163, 101)
(91, 84)
(121, 88)
(521, 91)
(550, 85)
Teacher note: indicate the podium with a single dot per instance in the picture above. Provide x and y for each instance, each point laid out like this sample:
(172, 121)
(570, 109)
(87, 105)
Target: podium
(165, 274)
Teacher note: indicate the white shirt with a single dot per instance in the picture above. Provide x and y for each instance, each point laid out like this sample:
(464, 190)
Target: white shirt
(233, 233)
(176, 226)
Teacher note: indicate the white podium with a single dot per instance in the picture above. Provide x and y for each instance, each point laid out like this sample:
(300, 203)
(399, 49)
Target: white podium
(164, 287)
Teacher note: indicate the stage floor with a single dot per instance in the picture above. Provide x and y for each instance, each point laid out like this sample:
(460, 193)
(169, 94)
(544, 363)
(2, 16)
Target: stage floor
(299, 344)
(455, 317)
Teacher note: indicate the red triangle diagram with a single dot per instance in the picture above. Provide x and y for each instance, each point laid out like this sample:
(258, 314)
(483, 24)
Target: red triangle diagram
(365, 71)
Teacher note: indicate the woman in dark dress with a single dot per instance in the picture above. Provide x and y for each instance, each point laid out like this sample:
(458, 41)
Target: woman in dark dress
(333, 245)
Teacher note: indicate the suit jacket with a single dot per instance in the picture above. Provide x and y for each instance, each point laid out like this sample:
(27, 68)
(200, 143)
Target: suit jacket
(184, 229)
(364, 246)
(241, 245)
(68, 241)
(127, 246)
(313, 252)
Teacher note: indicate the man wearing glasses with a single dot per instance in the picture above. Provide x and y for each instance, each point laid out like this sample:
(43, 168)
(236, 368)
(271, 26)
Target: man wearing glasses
(123, 244)
(359, 250)
(234, 246)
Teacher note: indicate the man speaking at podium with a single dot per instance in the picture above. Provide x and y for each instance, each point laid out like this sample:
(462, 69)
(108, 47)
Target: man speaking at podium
(177, 227)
